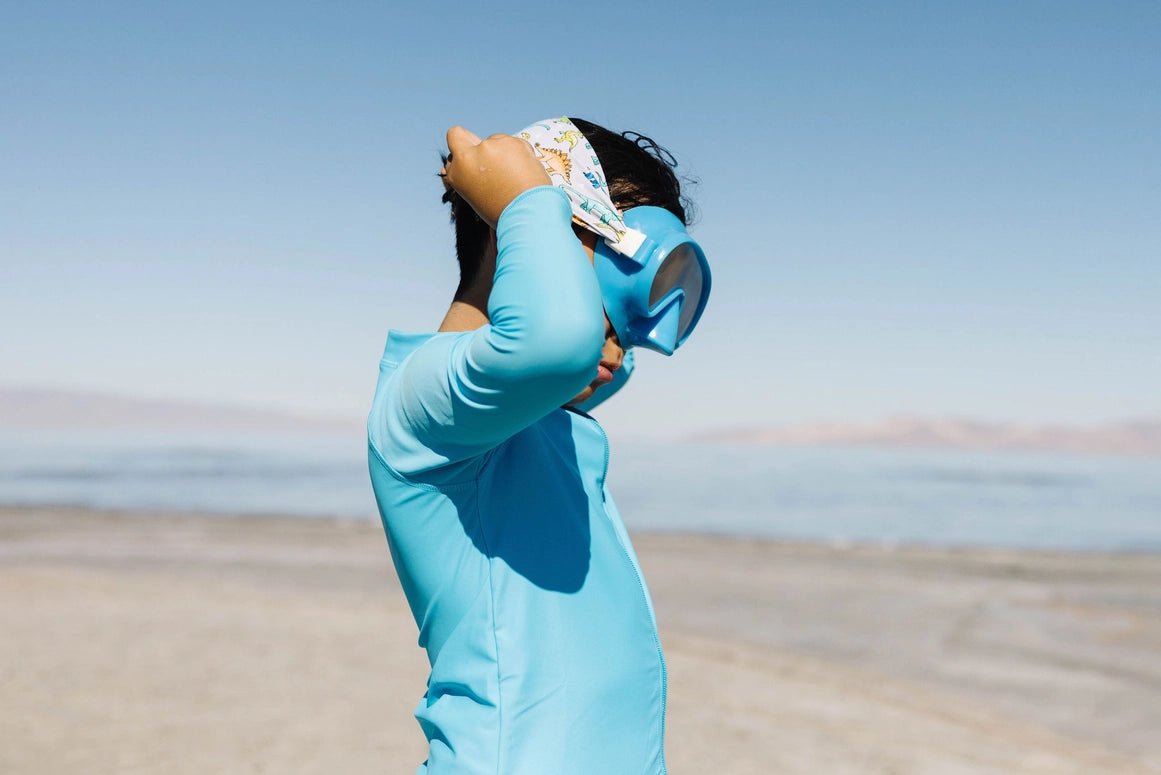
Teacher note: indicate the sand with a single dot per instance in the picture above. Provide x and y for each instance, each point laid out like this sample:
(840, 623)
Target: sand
(188, 644)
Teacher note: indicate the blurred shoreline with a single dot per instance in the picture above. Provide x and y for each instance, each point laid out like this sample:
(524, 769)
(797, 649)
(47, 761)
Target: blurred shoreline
(183, 643)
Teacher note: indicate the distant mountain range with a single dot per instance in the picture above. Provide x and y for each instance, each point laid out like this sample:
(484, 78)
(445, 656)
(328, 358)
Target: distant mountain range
(42, 408)
(36, 408)
(1137, 437)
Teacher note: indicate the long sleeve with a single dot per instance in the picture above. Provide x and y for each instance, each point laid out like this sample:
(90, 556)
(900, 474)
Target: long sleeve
(460, 394)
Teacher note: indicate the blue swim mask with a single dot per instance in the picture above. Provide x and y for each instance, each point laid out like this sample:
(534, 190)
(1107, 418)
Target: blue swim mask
(654, 278)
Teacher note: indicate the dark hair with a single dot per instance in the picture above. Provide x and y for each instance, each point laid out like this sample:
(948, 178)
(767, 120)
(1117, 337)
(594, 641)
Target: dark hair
(638, 171)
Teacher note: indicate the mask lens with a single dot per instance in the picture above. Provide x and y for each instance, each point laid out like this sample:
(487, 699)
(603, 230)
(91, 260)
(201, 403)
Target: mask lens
(681, 269)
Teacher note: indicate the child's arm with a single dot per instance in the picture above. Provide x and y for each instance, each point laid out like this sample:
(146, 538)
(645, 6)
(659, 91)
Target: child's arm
(459, 396)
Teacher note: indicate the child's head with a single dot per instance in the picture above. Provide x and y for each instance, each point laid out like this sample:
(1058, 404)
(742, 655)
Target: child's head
(638, 172)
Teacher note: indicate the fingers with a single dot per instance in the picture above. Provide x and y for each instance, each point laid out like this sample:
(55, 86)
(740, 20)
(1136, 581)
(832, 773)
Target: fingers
(459, 140)
(490, 173)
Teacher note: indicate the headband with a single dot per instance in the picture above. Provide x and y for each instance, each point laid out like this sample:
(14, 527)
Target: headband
(575, 169)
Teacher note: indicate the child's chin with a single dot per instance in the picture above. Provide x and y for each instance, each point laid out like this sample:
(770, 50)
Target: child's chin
(583, 396)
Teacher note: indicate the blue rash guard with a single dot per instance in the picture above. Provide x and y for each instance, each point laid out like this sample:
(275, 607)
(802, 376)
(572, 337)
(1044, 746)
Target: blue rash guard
(527, 592)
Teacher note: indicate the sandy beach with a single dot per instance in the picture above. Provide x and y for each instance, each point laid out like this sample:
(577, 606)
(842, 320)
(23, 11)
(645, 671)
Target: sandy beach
(190, 644)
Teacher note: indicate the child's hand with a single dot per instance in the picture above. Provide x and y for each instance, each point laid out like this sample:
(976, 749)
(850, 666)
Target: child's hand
(490, 173)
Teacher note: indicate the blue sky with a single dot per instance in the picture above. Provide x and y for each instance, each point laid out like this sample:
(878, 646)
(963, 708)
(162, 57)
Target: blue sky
(922, 208)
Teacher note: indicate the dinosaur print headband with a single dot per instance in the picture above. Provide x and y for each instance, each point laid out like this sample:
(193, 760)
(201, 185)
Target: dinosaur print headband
(575, 169)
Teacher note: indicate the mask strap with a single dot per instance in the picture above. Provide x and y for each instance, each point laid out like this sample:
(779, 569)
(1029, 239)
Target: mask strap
(574, 168)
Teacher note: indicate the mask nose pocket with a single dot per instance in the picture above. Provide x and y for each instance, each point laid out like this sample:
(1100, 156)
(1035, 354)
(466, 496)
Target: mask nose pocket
(659, 331)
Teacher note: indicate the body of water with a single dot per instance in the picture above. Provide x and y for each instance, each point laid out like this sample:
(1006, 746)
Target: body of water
(943, 497)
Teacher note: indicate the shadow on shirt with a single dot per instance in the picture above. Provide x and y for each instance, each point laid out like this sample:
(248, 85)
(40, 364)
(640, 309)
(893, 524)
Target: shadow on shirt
(533, 510)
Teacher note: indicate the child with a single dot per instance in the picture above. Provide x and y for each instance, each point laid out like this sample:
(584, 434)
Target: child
(491, 480)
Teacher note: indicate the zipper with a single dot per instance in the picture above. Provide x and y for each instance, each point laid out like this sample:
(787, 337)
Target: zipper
(640, 585)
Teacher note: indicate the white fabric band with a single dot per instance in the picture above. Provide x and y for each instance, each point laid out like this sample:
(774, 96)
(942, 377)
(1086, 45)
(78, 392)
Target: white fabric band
(575, 169)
